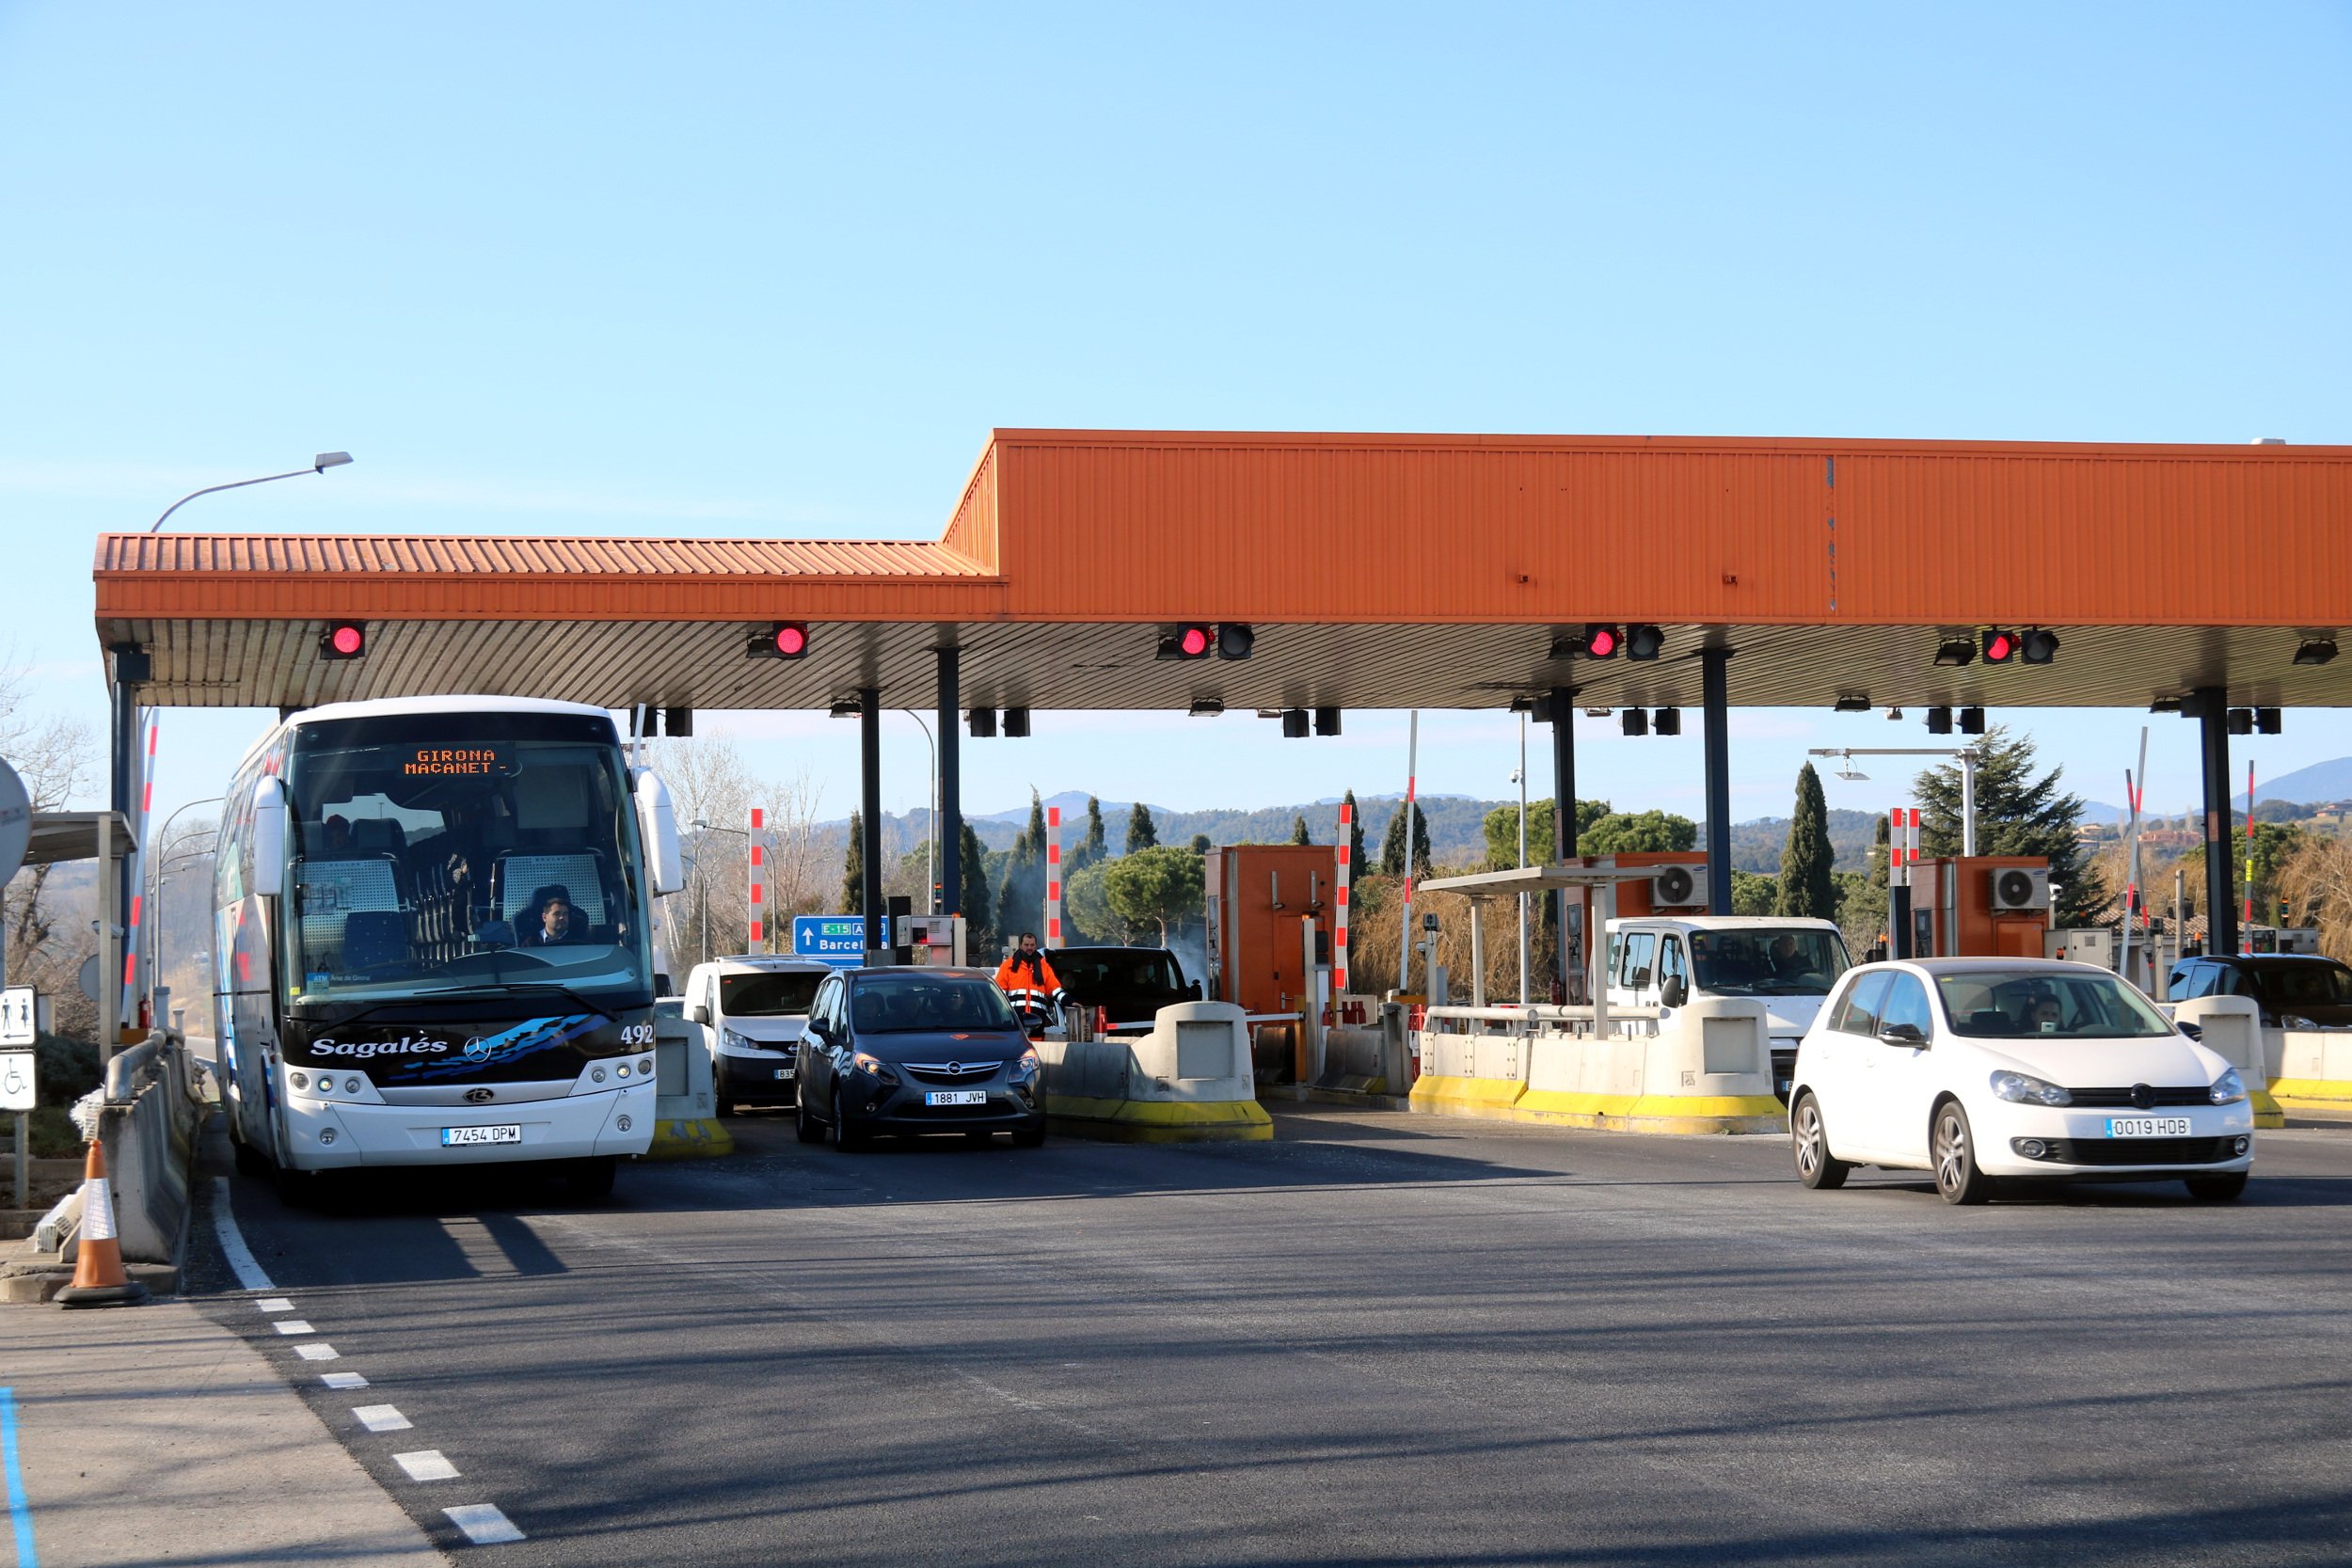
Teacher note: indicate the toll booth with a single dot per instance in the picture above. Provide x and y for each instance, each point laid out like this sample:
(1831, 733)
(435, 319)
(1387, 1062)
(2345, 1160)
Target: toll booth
(1260, 898)
(1981, 906)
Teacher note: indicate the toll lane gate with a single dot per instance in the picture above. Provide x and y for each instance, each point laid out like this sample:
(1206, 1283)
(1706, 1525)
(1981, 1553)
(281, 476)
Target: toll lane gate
(1647, 574)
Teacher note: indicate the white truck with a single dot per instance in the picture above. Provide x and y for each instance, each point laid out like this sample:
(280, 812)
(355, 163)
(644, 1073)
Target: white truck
(1789, 964)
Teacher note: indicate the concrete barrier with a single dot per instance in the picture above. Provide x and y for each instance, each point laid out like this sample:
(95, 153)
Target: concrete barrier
(2231, 1026)
(685, 1125)
(1188, 1078)
(2315, 1072)
(1706, 1067)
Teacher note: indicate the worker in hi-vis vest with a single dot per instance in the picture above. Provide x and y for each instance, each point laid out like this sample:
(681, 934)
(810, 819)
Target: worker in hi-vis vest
(1030, 985)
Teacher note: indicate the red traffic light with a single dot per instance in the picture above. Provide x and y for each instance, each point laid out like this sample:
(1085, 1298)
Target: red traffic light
(343, 640)
(1999, 646)
(784, 640)
(1189, 641)
(1601, 641)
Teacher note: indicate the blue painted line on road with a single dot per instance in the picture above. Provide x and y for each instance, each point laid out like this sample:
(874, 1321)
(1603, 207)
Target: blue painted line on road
(20, 1512)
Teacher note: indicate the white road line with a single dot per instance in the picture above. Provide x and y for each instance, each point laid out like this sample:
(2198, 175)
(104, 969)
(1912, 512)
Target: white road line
(381, 1417)
(293, 1325)
(274, 1304)
(426, 1464)
(240, 1259)
(320, 1351)
(483, 1525)
(343, 1380)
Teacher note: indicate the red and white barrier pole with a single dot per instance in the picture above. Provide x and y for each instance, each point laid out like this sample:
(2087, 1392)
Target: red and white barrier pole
(1053, 875)
(1338, 907)
(757, 875)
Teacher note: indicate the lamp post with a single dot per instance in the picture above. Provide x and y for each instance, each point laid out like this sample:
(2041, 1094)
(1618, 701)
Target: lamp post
(319, 465)
(702, 880)
(1969, 756)
(930, 843)
(155, 891)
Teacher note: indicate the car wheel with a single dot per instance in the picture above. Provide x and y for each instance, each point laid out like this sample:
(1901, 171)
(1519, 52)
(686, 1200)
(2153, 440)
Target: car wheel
(1953, 1147)
(1816, 1166)
(2218, 1189)
(726, 1103)
(805, 1127)
(1029, 1138)
(845, 1138)
(592, 1179)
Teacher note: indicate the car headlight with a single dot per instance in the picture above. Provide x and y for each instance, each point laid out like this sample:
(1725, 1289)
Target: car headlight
(2020, 1090)
(2229, 1088)
(873, 1065)
(742, 1042)
(1027, 1068)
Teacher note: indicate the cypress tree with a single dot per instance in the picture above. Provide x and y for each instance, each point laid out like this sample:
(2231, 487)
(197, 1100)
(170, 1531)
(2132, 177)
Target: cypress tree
(1298, 831)
(1356, 866)
(1142, 833)
(978, 928)
(1806, 887)
(853, 869)
(1392, 846)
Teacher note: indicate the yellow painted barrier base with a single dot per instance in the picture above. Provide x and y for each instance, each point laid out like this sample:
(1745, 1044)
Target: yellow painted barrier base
(1507, 1101)
(695, 1138)
(2318, 1097)
(2268, 1113)
(1467, 1097)
(1159, 1121)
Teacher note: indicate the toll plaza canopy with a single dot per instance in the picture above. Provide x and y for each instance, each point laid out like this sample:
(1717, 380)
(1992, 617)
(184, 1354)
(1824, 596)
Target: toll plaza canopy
(1376, 571)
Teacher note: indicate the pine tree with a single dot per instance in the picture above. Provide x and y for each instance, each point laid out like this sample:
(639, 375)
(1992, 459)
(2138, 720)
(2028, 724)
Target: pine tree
(2017, 814)
(1142, 833)
(978, 930)
(1299, 832)
(853, 870)
(1356, 866)
(1806, 887)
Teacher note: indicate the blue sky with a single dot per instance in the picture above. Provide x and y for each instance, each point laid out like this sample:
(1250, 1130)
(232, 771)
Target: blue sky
(767, 270)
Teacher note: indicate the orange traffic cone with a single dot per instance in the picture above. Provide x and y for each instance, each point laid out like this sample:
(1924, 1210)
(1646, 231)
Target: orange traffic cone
(99, 1279)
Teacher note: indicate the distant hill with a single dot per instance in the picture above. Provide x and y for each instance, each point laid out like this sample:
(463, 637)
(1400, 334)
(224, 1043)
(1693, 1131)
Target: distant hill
(2310, 787)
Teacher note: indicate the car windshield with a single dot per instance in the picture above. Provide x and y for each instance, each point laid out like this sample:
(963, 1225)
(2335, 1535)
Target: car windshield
(1116, 971)
(2047, 1005)
(1765, 960)
(2320, 983)
(909, 1003)
(775, 994)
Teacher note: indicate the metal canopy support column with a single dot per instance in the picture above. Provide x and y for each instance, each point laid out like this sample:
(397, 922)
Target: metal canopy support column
(869, 785)
(1715, 689)
(1561, 705)
(2212, 706)
(950, 825)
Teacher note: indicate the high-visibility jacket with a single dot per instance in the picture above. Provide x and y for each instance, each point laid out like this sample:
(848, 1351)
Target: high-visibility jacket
(1031, 986)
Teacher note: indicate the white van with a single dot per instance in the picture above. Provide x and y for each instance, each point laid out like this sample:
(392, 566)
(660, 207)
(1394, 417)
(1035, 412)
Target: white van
(751, 1010)
(1789, 964)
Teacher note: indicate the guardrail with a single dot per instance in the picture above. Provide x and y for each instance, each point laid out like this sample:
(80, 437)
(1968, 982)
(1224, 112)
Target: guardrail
(1188, 1078)
(1705, 1068)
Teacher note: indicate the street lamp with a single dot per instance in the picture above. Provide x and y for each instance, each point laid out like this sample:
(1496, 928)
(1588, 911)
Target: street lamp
(930, 844)
(155, 895)
(319, 465)
(1969, 756)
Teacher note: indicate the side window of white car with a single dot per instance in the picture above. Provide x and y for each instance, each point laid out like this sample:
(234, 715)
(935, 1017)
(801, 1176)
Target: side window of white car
(1859, 1013)
(1907, 1003)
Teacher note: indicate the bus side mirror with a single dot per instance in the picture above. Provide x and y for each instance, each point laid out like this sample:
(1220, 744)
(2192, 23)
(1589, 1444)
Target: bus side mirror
(657, 829)
(268, 836)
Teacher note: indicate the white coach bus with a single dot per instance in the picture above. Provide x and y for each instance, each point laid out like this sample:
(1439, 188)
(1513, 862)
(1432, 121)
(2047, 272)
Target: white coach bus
(432, 940)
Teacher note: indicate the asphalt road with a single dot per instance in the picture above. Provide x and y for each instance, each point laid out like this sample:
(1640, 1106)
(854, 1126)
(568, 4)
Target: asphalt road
(1382, 1339)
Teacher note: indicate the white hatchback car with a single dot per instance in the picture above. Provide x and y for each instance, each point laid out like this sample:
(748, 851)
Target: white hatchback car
(1980, 1068)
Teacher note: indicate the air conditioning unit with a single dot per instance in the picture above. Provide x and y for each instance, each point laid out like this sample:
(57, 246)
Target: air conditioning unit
(1674, 887)
(2016, 888)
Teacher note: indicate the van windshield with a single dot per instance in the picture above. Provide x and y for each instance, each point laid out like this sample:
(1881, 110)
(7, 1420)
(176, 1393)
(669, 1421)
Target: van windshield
(785, 994)
(1765, 960)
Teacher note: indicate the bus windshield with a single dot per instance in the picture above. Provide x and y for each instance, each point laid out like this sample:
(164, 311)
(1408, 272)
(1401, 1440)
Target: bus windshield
(439, 852)
(1763, 960)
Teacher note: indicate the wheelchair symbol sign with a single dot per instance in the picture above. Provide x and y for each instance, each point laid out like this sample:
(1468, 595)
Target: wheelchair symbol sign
(16, 1081)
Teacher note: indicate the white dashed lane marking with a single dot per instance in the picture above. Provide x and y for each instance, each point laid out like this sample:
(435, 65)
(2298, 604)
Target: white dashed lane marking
(320, 1351)
(483, 1525)
(426, 1464)
(381, 1417)
(274, 1304)
(343, 1380)
(293, 1325)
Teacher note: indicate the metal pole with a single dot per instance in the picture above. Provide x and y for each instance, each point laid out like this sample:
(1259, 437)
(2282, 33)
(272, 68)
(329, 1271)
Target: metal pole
(155, 891)
(1715, 687)
(1522, 858)
(1564, 835)
(24, 1121)
(1969, 799)
(1405, 920)
(931, 840)
(950, 783)
(2212, 703)
(869, 783)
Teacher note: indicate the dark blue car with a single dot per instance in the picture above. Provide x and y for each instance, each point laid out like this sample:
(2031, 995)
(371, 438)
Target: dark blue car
(917, 1050)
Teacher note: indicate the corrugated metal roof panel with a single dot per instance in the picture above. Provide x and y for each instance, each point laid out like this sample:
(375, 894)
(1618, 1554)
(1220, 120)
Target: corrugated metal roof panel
(460, 555)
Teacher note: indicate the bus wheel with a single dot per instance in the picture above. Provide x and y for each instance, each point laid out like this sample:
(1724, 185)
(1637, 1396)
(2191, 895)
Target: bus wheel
(296, 1189)
(592, 1179)
(250, 1160)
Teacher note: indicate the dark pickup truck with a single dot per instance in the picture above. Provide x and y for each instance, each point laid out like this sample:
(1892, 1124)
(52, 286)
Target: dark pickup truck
(1129, 984)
